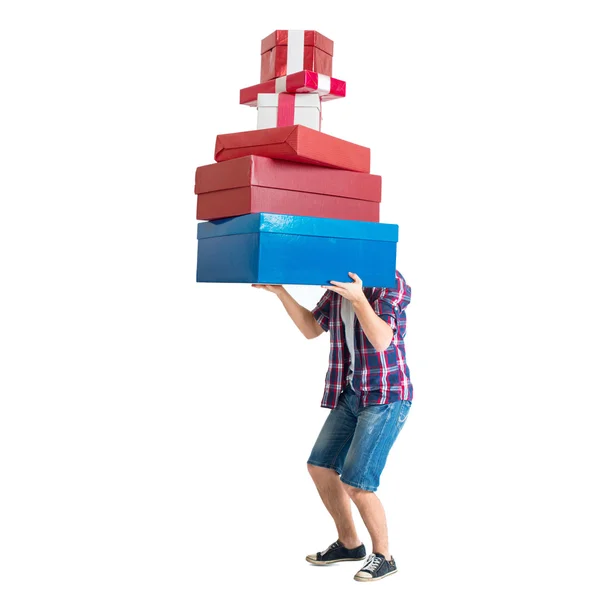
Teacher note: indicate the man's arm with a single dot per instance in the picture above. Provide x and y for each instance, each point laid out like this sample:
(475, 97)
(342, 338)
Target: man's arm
(302, 317)
(378, 332)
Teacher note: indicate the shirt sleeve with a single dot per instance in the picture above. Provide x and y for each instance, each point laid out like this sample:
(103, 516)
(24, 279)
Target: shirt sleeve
(321, 311)
(390, 302)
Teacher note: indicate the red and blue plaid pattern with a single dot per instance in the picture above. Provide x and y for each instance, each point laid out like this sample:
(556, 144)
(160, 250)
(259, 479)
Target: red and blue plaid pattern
(379, 377)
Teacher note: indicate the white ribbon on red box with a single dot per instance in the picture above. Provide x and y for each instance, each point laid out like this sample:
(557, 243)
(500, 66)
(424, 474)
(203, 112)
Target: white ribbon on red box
(295, 51)
(323, 85)
(303, 82)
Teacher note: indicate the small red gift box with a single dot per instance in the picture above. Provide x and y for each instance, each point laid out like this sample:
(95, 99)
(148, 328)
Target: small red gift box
(289, 51)
(296, 143)
(327, 88)
(253, 184)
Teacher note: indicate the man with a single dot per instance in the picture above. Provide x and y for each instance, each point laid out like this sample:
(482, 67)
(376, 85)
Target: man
(369, 390)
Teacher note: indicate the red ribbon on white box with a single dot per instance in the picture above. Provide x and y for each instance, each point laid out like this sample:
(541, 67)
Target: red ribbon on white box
(281, 110)
(286, 109)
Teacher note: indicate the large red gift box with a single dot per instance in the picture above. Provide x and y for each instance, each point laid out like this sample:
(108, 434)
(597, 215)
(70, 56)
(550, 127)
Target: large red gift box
(296, 143)
(253, 184)
(328, 88)
(288, 51)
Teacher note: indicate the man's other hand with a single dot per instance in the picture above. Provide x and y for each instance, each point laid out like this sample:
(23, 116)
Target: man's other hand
(276, 289)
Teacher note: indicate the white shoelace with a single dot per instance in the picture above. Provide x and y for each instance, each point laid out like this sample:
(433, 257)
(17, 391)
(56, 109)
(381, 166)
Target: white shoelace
(330, 547)
(372, 563)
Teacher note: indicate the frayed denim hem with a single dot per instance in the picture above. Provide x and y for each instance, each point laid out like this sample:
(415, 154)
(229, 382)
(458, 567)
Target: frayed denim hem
(366, 488)
(316, 464)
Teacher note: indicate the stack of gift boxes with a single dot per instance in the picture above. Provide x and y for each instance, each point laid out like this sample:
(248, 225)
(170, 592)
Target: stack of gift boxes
(286, 203)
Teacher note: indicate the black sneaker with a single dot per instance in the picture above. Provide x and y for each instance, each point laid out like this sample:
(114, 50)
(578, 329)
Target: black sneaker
(376, 567)
(337, 552)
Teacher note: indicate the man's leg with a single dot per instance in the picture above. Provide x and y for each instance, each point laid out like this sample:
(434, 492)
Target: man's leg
(337, 502)
(326, 461)
(372, 513)
(376, 431)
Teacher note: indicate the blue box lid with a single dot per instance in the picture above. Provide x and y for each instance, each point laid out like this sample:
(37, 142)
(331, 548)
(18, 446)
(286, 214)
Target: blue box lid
(294, 225)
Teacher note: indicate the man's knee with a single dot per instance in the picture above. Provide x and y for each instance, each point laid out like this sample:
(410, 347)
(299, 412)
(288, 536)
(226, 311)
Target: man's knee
(319, 472)
(354, 492)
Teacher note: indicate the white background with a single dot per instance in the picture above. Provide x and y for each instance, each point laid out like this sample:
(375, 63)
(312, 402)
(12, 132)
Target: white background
(154, 431)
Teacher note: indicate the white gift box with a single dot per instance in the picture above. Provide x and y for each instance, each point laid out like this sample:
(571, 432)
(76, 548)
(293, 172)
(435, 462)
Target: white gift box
(281, 110)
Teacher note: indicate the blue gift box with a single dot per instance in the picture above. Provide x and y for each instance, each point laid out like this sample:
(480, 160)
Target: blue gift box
(287, 249)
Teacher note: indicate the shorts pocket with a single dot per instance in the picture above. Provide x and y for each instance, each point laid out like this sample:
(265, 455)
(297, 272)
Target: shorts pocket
(403, 411)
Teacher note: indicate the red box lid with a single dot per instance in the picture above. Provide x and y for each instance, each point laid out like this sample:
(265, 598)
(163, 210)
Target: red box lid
(296, 143)
(286, 175)
(311, 38)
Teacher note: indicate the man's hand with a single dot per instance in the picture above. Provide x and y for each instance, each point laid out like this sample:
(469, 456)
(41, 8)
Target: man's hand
(276, 289)
(352, 291)
(378, 332)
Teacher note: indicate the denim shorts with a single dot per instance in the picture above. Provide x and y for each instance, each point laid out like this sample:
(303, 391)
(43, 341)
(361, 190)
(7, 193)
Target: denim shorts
(355, 440)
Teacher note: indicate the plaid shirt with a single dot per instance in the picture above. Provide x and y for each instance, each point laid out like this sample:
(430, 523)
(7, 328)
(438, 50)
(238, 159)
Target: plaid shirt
(379, 377)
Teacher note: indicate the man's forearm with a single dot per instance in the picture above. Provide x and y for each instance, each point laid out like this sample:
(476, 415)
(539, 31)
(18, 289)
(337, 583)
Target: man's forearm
(302, 317)
(378, 332)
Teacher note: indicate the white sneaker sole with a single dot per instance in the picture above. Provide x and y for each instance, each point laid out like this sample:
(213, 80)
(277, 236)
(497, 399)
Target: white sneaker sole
(322, 563)
(363, 579)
